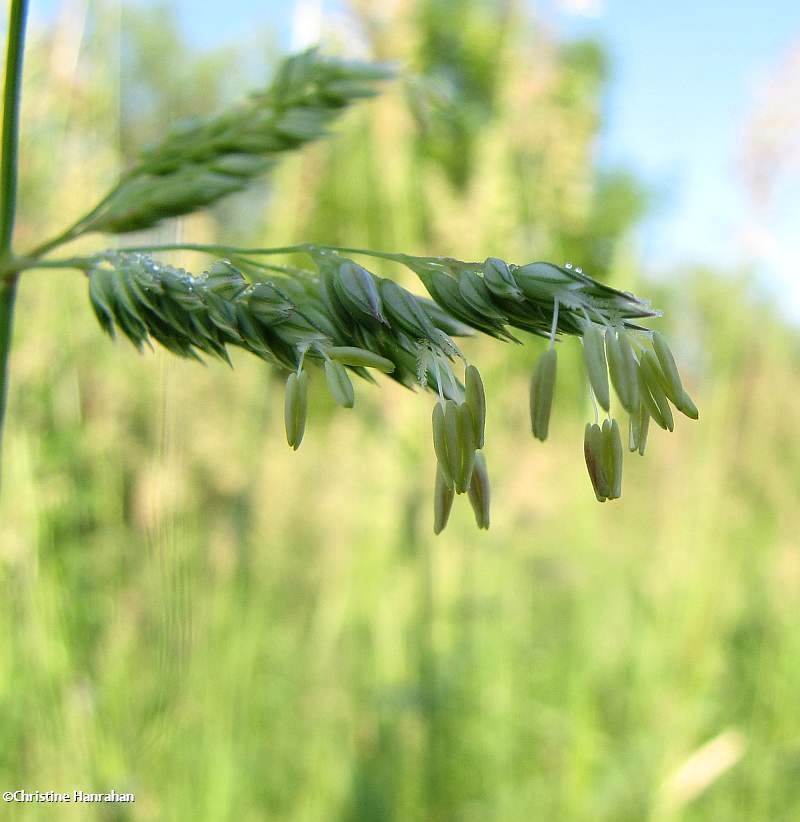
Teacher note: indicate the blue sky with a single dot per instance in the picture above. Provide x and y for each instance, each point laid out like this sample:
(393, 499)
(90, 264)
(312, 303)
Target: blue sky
(684, 79)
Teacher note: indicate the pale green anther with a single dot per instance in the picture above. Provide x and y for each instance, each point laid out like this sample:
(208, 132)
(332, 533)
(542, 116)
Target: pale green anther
(622, 368)
(672, 380)
(452, 443)
(594, 357)
(543, 386)
(500, 281)
(479, 492)
(593, 451)
(443, 494)
(616, 368)
(654, 380)
(686, 406)
(295, 408)
(648, 403)
(440, 443)
(339, 384)
(475, 398)
(612, 452)
(350, 355)
(637, 429)
(644, 425)
(630, 368)
(466, 442)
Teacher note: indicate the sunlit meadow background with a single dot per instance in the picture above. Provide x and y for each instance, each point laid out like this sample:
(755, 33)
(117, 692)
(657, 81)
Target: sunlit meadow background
(192, 612)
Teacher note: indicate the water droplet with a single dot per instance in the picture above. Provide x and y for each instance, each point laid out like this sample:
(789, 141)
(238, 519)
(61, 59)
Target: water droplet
(579, 270)
(567, 265)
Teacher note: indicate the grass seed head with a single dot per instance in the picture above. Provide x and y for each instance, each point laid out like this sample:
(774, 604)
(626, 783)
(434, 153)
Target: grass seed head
(198, 163)
(348, 320)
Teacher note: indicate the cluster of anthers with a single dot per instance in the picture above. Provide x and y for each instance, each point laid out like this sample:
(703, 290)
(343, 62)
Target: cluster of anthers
(349, 320)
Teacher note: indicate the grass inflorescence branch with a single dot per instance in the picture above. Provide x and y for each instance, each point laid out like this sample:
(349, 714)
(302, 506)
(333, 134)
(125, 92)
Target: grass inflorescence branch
(350, 321)
(201, 161)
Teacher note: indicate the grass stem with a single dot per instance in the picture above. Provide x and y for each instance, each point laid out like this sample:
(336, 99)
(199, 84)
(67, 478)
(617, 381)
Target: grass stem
(9, 144)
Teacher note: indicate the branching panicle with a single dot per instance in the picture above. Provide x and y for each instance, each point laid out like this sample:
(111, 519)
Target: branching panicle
(199, 162)
(344, 317)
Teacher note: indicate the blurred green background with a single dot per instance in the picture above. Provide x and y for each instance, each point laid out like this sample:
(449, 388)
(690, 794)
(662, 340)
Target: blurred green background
(192, 612)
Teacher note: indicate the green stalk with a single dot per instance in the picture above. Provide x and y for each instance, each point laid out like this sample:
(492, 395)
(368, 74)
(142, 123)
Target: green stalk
(8, 295)
(10, 141)
(25, 263)
(77, 229)
(300, 248)
(9, 144)
(213, 248)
